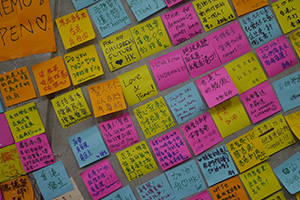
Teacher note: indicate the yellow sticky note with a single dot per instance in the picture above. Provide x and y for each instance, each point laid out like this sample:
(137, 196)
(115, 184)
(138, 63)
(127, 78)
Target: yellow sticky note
(247, 151)
(230, 116)
(72, 195)
(137, 85)
(24, 122)
(151, 37)
(294, 122)
(274, 134)
(297, 196)
(136, 160)
(119, 50)
(243, 7)
(276, 196)
(83, 64)
(154, 117)
(213, 13)
(287, 13)
(295, 39)
(75, 28)
(71, 108)
(10, 163)
(260, 181)
(246, 72)
(107, 97)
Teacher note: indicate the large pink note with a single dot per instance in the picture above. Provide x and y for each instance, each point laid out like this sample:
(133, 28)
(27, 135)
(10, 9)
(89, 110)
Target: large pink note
(6, 136)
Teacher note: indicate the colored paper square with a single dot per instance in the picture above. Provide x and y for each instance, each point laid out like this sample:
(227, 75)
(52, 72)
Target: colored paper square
(170, 149)
(119, 50)
(154, 117)
(88, 146)
(216, 87)
(119, 132)
(293, 121)
(72, 194)
(200, 57)
(75, 28)
(83, 64)
(243, 7)
(276, 56)
(51, 76)
(80, 4)
(169, 70)
(6, 136)
(277, 195)
(1, 108)
(295, 40)
(123, 193)
(201, 196)
(136, 160)
(172, 2)
(71, 108)
(16, 86)
(107, 97)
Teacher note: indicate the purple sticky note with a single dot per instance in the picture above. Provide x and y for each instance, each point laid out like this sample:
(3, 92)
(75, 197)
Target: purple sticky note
(172, 2)
(201, 196)
(6, 136)
(276, 56)
(216, 87)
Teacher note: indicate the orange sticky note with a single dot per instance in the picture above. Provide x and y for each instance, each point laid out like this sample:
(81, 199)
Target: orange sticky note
(51, 76)
(107, 97)
(16, 86)
(243, 7)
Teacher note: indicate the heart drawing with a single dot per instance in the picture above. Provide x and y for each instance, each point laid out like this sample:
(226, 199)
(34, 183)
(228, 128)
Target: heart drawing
(119, 62)
(42, 22)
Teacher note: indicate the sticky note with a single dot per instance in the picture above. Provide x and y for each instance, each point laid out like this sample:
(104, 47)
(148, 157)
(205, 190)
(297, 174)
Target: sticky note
(188, 27)
(293, 122)
(277, 195)
(201, 196)
(151, 36)
(109, 16)
(247, 151)
(172, 2)
(217, 165)
(216, 87)
(185, 179)
(107, 97)
(16, 86)
(6, 136)
(154, 117)
(169, 70)
(75, 28)
(71, 108)
(88, 146)
(119, 50)
(1, 108)
(229, 42)
(136, 160)
(200, 57)
(260, 181)
(295, 40)
(243, 7)
(170, 149)
(123, 193)
(231, 188)
(51, 76)
(286, 12)
(162, 189)
(297, 195)
(79, 4)
(83, 64)
(53, 180)
(185, 103)
(230, 116)
(144, 8)
(119, 132)
(213, 13)
(101, 172)
(245, 72)
(73, 194)
(137, 85)
(276, 56)
(10, 163)
(287, 91)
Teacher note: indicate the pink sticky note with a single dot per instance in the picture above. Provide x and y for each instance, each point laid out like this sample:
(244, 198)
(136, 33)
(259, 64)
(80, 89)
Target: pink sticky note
(100, 179)
(201, 133)
(202, 196)
(182, 23)
(216, 87)
(200, 57)
(119, 133)
(170, 149)
(35, 152)
(6, 136)
(172, 2)
(229, 42)
(260, 102)
(169, 70)
(276, 56)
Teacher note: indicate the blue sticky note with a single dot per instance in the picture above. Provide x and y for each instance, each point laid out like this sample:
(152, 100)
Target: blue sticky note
(124, 193)
(144, 8)
(185, 179)
(88, 146)
(109, 16)
(289, 173)
(260, 27)
(185, 103)
(287, 91)
(156, 189)
(217, 165)
(1, 108)
(79, 4)
(53, 180)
